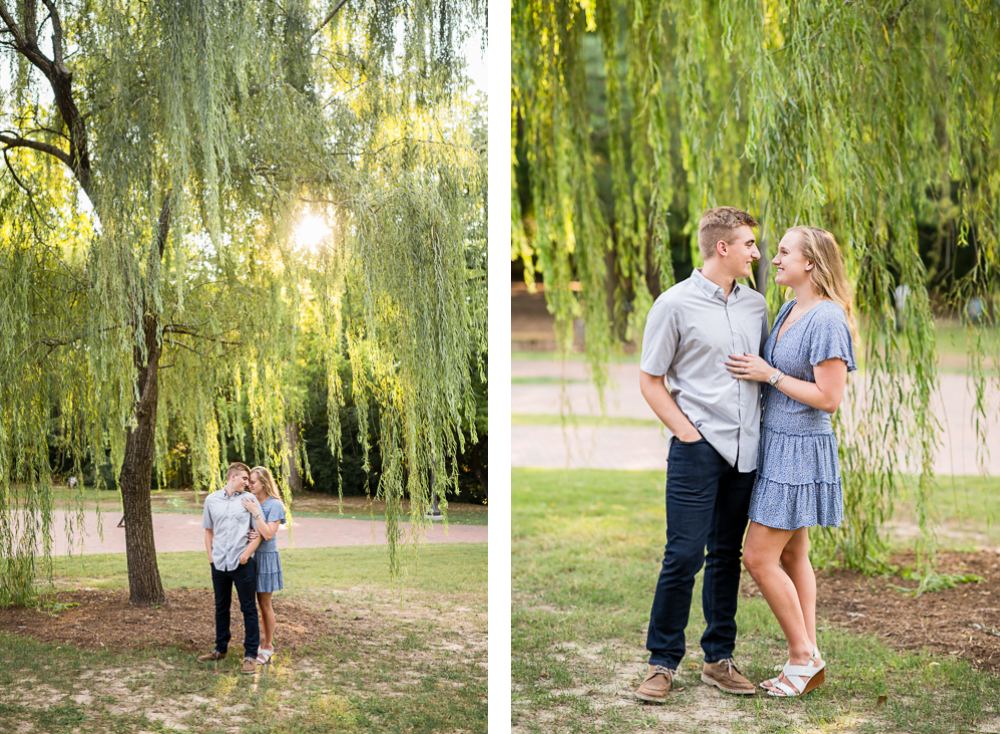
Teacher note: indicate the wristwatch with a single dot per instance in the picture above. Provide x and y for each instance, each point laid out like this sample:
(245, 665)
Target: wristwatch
(774, 379)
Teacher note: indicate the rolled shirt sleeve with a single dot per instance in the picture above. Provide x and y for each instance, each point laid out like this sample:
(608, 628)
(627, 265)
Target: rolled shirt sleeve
(660, 339)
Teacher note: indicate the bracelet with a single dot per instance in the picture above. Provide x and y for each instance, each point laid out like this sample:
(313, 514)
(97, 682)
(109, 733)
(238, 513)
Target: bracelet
(781, 377)
(256, 517)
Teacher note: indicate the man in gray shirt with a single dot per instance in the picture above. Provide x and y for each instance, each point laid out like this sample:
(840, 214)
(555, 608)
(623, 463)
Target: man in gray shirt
(226, 523)
(691, 331)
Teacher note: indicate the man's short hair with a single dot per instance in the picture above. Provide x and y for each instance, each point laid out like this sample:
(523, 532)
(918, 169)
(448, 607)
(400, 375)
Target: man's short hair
(720, 224)
(235, 467)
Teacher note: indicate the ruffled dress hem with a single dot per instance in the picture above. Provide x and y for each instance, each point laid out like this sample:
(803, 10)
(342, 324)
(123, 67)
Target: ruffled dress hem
(269, 578)
(803, 505)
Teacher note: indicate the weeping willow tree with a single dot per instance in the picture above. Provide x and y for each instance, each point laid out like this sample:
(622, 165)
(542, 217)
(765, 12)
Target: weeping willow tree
(869, 119)
(157, 159)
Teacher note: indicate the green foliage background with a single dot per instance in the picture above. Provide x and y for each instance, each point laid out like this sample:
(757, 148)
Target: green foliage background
(878, 121)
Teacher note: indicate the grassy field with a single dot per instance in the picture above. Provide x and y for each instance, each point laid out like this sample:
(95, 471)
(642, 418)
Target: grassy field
(952, 340)
(965, 508)
(442, 567)
(586, 549)
(420, 665)
(574, 421)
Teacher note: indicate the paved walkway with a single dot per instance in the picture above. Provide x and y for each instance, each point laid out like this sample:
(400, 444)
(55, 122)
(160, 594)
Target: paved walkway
(646, 448)
(184, 533)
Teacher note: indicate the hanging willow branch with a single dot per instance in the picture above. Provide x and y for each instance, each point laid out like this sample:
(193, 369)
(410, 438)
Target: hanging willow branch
(877, 121)
(171, 155)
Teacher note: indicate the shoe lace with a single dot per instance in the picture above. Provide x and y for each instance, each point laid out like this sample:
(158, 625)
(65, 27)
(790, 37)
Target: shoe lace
(662, 670)
(730, 666)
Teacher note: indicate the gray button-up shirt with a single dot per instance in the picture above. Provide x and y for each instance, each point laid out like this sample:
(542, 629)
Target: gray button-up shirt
(690, 332)
(230, 523)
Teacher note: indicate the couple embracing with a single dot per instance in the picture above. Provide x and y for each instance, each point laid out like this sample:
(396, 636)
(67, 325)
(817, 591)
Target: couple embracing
(240, 522)
(729, 464)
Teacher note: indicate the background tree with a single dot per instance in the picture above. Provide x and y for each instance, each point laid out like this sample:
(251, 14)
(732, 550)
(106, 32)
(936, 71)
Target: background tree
(158, 157)
(878, 121)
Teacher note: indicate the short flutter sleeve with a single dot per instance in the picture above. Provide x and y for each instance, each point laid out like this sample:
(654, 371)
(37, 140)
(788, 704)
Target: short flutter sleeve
(273, 510)
(830, 337)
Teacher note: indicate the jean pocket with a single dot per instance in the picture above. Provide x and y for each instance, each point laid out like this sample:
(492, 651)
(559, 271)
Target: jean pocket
(678, 442)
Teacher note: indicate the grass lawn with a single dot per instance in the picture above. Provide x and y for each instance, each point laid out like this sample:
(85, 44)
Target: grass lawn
(580, 421)
(416, 663)
(540, 356)
(966, 509)
(953, 348)
(586, 550)
(444, 568)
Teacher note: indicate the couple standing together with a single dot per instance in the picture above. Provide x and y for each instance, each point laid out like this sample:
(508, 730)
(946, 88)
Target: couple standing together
(240, 522)
(728, 464)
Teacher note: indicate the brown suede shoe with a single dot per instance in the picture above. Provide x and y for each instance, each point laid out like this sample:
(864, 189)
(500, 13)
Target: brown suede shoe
(214, 655)
(724, 675)
(656, 686)
(249, 666)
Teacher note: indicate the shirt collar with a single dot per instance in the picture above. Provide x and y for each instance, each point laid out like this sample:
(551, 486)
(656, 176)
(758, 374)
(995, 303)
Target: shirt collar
(712, 290)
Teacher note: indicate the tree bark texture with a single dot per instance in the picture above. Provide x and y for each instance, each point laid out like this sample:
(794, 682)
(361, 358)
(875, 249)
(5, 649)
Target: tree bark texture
(145, 588)
(292, 441)
(478, 469)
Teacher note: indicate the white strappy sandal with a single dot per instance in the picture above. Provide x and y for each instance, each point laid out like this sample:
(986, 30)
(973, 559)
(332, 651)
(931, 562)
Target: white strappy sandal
(772, 683)
(803, 678)
(264, 656)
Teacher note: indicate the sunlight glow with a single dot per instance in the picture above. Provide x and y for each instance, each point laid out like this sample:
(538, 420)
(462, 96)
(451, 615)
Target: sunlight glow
(311, 233)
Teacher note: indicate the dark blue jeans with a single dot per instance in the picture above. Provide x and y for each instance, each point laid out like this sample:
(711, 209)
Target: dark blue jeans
(245, 579)
(707, 503)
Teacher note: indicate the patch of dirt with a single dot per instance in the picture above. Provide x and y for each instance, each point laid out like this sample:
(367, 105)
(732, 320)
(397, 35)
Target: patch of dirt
(943, 621)
(692, 707)
(105, 620)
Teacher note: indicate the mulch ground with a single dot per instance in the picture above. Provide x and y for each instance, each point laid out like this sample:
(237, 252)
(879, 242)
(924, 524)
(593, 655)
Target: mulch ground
(105, 620)
(963, 621)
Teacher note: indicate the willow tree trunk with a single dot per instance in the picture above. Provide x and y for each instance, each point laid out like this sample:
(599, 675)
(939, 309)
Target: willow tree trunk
(292, 440)
(145, 588)
(480, 471)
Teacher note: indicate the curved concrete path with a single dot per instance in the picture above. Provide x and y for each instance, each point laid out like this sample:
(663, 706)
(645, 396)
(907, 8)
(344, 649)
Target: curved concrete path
(621, 447)
(182, 532)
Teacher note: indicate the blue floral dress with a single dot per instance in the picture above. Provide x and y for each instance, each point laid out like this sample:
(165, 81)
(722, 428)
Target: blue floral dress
(798, 471)
(269, 577)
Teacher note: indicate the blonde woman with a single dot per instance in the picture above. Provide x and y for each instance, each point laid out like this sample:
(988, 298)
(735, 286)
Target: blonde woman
(804, 369)
(268, 513)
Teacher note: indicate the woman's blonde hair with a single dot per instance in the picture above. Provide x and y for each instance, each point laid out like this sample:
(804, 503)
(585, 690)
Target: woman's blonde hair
(264, 474)
(828, 277)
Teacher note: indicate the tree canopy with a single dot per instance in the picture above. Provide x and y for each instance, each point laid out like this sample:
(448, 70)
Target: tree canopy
(158, 158)
(878, 121)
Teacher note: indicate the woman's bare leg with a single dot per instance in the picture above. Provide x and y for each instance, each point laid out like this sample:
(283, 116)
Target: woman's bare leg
(795, 562)
(761, 555)
(266, 619)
